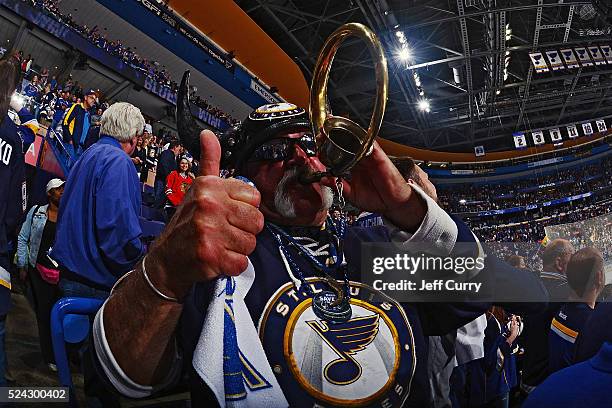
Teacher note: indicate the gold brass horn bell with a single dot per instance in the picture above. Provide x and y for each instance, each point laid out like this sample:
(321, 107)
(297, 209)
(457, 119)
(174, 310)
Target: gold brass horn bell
(341, 143)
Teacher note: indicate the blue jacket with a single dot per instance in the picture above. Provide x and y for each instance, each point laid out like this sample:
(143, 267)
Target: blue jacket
(98, 230)
(165, 165)
(12, 199)
(28, 241)
(75, 126)
(586, 384)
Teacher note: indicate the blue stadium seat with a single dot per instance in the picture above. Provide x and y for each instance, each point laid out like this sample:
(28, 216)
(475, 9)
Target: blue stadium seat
(70, 323)
(151, 214)
(151, 229)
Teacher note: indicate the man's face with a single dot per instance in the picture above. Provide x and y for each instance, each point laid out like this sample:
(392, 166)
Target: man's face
(89, 101)
(283, 198)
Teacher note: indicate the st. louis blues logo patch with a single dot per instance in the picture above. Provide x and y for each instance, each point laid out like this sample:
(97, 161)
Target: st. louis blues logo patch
(367, 361)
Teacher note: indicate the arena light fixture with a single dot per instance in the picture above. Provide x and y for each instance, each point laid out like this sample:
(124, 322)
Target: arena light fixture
(424, 105)
(462, 201)
(404, 54)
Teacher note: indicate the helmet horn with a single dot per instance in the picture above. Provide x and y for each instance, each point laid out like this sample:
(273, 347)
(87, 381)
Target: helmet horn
(188, 129)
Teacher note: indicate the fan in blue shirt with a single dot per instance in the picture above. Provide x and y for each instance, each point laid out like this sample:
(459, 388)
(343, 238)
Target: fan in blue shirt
(98, 231)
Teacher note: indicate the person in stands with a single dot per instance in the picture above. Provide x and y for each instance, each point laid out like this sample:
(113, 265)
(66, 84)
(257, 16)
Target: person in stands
(36, 237)
(13, 198)
(166, 164)
(555, 257)
(586, 278)
(98, 233)
(76, 123)
(178, 182)
(139, 156)
(284, 228)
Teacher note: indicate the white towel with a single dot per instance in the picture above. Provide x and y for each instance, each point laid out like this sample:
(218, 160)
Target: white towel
(259, 386)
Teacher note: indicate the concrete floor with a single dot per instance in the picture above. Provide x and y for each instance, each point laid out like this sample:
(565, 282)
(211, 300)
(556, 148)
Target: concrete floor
(26, 366)
(25, 363)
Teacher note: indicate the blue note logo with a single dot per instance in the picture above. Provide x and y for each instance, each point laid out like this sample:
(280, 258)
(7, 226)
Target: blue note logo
(366, 361)
(346, 339)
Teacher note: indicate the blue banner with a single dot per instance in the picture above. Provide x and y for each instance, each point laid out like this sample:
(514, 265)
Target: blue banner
(186, 44)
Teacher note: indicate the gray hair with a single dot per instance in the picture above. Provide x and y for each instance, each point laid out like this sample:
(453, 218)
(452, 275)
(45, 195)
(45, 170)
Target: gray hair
(122, 121)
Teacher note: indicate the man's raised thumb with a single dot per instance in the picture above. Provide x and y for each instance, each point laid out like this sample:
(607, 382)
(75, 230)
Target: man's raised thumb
(210, 156)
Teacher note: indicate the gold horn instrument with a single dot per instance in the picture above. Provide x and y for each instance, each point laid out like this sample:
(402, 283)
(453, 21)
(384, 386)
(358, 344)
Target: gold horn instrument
(341, 143)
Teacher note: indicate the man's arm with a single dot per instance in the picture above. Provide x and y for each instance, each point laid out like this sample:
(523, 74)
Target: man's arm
(210, 235)
(138, 328)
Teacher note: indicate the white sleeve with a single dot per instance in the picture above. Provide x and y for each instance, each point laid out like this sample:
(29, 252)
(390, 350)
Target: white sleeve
(438, 232)
(122, 383)
(437, 228)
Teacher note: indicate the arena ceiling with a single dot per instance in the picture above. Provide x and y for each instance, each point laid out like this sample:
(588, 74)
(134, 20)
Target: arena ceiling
(458, 50)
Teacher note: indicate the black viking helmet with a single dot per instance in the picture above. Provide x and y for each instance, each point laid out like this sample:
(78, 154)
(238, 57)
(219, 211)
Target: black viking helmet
(240, 141)
(263, 124)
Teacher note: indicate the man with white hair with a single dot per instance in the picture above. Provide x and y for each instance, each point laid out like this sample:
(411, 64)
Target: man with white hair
(98, 232)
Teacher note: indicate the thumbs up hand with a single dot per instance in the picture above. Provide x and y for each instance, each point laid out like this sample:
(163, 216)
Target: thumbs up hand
(212, 231)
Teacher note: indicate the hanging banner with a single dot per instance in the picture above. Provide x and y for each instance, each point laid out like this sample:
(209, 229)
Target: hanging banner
(555, 60)
(572, 131)
(538, 61)
(601, 125)
(538, 137)
(570, 58)
(583, 57)
(479, 151)
(607, 53)
(520, 142)
(555, 135)
(587, 129)
(597, 55)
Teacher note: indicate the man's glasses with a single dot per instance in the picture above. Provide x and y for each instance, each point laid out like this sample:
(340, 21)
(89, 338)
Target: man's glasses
(282, 148)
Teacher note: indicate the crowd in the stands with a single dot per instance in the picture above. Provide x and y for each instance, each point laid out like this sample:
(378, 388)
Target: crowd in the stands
(522, 228)
(464, 197)
(49, 100)
(155, 70)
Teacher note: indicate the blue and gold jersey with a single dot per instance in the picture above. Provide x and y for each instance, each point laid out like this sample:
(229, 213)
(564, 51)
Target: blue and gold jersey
(376, 359)
(564, 330)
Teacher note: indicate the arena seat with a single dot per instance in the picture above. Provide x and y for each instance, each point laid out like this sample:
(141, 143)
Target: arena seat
(151, 229)
(151, 214)
(70, 323)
